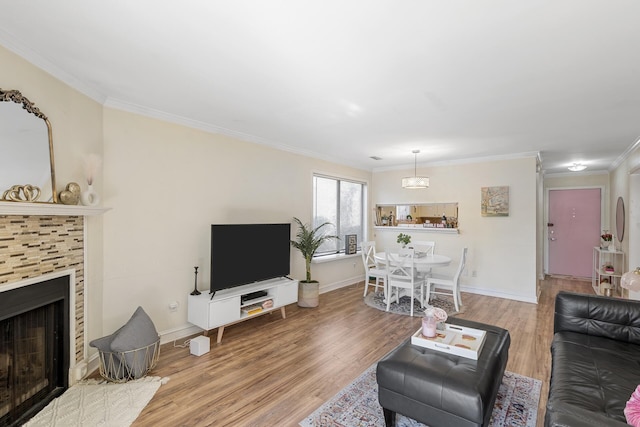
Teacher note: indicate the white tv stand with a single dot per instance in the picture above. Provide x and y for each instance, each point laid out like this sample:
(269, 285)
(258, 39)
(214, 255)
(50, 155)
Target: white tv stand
(226, 307)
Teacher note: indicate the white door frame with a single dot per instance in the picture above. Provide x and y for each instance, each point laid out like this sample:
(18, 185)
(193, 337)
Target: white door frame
(545, 231)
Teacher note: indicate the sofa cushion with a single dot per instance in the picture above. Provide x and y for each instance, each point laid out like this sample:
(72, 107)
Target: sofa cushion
(138, 333)
(592, 375)
(111, 361)
(606, 317)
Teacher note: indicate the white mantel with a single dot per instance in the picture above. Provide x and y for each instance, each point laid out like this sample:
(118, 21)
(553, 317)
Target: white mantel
(24, 208)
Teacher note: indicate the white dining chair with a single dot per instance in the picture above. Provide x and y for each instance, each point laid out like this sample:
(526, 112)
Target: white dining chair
(445, 285)
(426, 247)
(401, 274)
(372, 269)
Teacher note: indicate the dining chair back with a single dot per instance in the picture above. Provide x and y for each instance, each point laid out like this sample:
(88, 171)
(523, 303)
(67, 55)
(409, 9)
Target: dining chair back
(401, 274)
(426, 247)
(445, 285)
(372, 269)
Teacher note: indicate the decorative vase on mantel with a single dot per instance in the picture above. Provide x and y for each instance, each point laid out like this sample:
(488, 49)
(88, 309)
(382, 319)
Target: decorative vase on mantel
(89, 197)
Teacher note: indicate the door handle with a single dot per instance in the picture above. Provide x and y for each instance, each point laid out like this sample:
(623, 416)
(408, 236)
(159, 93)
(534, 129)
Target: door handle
(552, 238)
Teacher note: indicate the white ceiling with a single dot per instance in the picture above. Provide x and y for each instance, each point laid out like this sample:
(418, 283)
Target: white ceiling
(344, 80)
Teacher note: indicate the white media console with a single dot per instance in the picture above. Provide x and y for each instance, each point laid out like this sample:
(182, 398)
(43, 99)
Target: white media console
(226, 307)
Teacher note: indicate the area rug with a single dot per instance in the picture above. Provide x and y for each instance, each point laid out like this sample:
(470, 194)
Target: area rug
(357, 405)
(98, 403)
(376, 300)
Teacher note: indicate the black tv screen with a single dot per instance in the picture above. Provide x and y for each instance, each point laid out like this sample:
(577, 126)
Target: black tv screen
(247, 253)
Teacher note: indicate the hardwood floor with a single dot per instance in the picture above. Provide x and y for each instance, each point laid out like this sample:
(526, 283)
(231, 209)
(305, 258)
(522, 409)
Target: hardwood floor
(273, 372)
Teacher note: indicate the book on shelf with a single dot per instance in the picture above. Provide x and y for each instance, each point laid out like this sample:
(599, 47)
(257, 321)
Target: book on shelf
(252, 309)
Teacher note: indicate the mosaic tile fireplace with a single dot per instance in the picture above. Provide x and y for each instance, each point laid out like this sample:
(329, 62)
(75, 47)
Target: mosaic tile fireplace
(34, 249)
(34, 347)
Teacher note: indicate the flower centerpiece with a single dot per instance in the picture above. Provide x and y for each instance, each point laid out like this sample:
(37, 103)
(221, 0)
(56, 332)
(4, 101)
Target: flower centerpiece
(432, 316)
(403, 239)
(607, 239)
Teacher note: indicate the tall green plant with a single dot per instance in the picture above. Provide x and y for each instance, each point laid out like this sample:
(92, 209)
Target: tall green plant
(308, 240)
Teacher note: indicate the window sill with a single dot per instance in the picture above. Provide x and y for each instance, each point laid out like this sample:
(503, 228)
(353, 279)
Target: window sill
(335, 257)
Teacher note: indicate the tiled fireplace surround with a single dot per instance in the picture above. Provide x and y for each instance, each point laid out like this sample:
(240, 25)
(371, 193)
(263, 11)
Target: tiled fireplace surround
(43, 245)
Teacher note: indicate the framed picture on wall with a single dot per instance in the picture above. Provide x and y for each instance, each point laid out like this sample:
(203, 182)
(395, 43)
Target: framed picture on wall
(351, 244)
(494, 201)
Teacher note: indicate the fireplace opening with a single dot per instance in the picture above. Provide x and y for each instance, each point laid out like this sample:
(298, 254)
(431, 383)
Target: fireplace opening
(34, 348)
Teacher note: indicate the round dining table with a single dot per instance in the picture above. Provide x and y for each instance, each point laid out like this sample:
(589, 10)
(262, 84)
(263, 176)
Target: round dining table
(434, 260)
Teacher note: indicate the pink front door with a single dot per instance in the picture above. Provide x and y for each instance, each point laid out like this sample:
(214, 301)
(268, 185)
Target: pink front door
(573, 231)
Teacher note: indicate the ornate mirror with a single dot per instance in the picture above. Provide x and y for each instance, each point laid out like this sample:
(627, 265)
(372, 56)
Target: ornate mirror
(26, 151)
(620, 219)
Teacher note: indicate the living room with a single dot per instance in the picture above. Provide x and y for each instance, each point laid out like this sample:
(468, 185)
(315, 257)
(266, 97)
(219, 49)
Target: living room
(164, 183)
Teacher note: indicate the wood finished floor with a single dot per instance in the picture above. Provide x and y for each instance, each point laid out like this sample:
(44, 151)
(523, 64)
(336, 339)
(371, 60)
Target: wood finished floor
(270, 371)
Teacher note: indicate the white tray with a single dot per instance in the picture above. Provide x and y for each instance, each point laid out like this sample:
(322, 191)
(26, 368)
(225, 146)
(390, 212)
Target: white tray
(454, 339)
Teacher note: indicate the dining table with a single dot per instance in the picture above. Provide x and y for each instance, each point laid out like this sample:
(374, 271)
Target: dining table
(431, 260)
(425, 260)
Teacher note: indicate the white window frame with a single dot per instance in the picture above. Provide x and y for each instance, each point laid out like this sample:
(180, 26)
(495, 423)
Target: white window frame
(363, 225)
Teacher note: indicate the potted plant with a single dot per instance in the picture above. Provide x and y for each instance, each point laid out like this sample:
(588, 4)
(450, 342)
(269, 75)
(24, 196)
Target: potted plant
(403, 239)
(308, 240)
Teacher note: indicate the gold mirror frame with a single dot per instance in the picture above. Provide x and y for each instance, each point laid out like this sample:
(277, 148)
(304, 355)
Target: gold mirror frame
(18, 98)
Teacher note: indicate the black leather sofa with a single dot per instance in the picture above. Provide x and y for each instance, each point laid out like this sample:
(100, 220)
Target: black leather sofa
(595, 360)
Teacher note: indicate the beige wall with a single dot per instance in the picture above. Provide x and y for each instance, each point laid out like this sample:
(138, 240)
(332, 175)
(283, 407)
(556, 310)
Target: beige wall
(502, 250)
(76, 123)
(166, 184)
(625, 183)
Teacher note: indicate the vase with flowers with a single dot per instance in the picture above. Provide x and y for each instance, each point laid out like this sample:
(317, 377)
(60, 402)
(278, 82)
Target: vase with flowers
(91, 165)
(607, 241)
(432, 317)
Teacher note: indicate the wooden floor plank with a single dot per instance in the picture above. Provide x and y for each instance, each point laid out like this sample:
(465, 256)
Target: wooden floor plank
(271, 371)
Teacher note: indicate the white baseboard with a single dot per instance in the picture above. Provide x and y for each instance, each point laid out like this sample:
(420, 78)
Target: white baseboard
(341, 284)
(170, 335)
(497, 294)
(178, 333)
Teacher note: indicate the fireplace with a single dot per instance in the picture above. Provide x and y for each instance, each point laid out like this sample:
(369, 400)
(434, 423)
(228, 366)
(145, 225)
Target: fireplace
(34, 347)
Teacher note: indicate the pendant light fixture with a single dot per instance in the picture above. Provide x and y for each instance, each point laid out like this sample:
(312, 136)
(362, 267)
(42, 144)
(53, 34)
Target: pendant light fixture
(415, 181)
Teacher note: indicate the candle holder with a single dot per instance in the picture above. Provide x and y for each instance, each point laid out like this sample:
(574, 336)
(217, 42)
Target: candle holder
(195, 285)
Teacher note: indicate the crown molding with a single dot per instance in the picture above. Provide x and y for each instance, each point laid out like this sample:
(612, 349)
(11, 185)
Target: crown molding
(468, 160)
(207, 127)
(622, 157)
(16, 46)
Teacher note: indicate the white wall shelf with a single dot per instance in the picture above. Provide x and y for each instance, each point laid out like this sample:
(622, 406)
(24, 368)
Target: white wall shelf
(602, 279)
(419, 229)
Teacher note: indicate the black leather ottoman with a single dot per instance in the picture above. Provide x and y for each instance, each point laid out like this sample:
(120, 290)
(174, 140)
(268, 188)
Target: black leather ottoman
(440, 389)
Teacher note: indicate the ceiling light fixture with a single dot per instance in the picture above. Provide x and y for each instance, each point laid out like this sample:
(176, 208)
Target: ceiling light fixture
(577, 167)
(415, 181)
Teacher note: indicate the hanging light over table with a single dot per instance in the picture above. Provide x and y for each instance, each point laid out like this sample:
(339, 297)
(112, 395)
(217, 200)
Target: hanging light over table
(415, 181)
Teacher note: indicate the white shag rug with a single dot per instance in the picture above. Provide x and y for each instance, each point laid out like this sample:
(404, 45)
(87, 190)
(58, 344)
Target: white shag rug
(98, 403)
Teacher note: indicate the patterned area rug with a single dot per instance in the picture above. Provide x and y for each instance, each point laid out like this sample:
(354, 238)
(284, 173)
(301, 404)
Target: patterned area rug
(98, 403)
(376, 300)
(357, 405)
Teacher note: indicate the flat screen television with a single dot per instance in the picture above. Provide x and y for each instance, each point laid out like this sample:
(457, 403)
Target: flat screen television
(247, 253)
